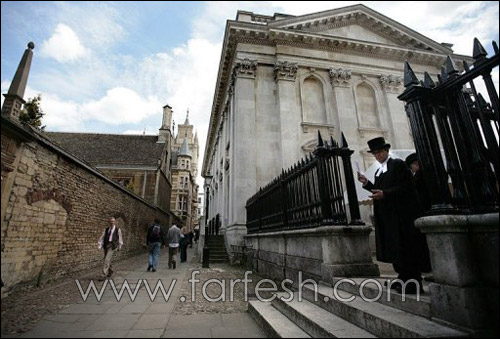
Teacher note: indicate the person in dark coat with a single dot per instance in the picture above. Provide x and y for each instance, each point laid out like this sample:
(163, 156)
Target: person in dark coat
(394, 200)
(423, 198)
(155, 239)
(423, 206)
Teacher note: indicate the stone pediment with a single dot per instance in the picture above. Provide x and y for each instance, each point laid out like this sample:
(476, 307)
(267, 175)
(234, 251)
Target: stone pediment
(355, 32)
(361, 23)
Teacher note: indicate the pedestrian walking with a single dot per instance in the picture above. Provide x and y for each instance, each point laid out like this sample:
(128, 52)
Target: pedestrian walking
(184, 244)
(111, 240)
(154, 241)
(191, 239)
(173, 239)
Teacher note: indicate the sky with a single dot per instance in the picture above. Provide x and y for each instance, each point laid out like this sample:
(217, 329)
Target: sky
(110, 67)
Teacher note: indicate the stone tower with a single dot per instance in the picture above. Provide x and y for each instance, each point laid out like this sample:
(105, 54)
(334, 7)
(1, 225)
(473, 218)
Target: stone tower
(14, 97)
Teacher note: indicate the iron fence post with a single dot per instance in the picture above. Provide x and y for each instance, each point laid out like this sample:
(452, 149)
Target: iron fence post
(349, 183)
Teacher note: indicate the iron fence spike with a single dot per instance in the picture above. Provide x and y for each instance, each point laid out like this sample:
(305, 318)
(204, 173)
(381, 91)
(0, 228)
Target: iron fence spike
(428, 82)
(495, 46)
(320, 140)
(409, 76)
(478, 52)
(450, 66)
(344, 140)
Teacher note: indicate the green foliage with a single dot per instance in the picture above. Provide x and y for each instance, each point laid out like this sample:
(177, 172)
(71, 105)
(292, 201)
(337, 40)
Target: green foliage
(32, 113)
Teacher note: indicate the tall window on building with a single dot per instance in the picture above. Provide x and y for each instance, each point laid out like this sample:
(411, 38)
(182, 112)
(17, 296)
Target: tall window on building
(182, 203)
(367, 106)
(313, 101)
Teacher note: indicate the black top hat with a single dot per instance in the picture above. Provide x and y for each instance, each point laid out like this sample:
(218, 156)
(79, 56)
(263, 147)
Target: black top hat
(411, 158)
(377, 143)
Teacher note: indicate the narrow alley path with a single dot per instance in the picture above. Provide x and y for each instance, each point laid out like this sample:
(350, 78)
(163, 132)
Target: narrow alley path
(178, 317)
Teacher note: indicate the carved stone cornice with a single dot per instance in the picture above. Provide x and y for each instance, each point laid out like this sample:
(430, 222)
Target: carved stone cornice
(370, 131)
(245, 68)
(284, 70)
(391, 83)
(340, 77)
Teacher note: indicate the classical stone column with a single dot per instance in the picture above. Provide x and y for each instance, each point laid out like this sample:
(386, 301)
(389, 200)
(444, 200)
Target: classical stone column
(398, 122)
(344, 99)
(244, 177)
(285, 74)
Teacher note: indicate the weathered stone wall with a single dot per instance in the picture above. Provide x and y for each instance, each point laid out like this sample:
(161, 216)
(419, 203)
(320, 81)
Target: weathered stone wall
(57, 208)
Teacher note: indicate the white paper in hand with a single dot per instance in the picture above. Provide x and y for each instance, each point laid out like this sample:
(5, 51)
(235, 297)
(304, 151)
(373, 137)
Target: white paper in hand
(358, 168)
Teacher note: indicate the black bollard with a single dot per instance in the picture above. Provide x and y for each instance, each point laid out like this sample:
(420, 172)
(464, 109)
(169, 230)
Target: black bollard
(206, 257)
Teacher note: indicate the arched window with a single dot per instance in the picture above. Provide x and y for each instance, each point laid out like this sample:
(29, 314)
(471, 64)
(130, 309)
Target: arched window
(313, 101)
(367, 106)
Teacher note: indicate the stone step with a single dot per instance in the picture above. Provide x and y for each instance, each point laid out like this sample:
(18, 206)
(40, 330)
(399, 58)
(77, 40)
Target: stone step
(377, 318)
(421, 307)
(315, 321)
(218, 251)
(216, 246)
(215, 261)
(215, 238)
(214, 257)
(275, 324)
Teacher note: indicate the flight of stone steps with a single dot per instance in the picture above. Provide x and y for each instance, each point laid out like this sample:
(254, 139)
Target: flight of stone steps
(218, 253)
(328, 317)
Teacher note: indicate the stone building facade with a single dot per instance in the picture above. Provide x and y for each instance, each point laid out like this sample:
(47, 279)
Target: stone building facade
(283, 78)
(185, 149)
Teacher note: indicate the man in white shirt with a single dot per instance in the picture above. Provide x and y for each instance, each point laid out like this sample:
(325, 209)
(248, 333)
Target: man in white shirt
(111, 240)
(173, 239)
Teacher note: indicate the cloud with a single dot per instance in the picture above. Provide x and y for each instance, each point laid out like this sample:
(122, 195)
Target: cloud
(184, 77)
(121, 106)
(64, 45)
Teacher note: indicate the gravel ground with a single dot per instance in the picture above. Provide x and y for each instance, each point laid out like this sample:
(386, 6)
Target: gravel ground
(224, 274)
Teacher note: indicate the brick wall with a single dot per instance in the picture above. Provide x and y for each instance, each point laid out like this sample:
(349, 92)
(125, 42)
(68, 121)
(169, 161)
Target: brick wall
(55, 211)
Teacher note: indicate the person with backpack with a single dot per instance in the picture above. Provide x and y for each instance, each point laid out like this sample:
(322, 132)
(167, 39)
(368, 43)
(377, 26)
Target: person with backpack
(154, 241)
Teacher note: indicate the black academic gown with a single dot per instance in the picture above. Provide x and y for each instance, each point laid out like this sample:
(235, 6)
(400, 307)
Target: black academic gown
(395, 215)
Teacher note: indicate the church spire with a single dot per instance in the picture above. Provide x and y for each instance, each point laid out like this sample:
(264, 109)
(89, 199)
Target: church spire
(187, 118)
(184, 148)
(14, 97)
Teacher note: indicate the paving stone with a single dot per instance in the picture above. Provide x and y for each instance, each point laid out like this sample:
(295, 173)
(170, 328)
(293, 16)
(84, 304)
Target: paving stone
(151, 321)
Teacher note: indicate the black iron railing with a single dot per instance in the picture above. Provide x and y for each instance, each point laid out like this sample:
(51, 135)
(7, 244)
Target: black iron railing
(309, 194)
(454, 117)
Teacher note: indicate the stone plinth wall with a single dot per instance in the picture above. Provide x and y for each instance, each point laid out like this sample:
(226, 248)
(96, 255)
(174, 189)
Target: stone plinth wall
(321, 253)
(55, 208)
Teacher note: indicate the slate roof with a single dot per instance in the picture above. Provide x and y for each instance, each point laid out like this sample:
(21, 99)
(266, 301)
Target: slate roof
(111, 149)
